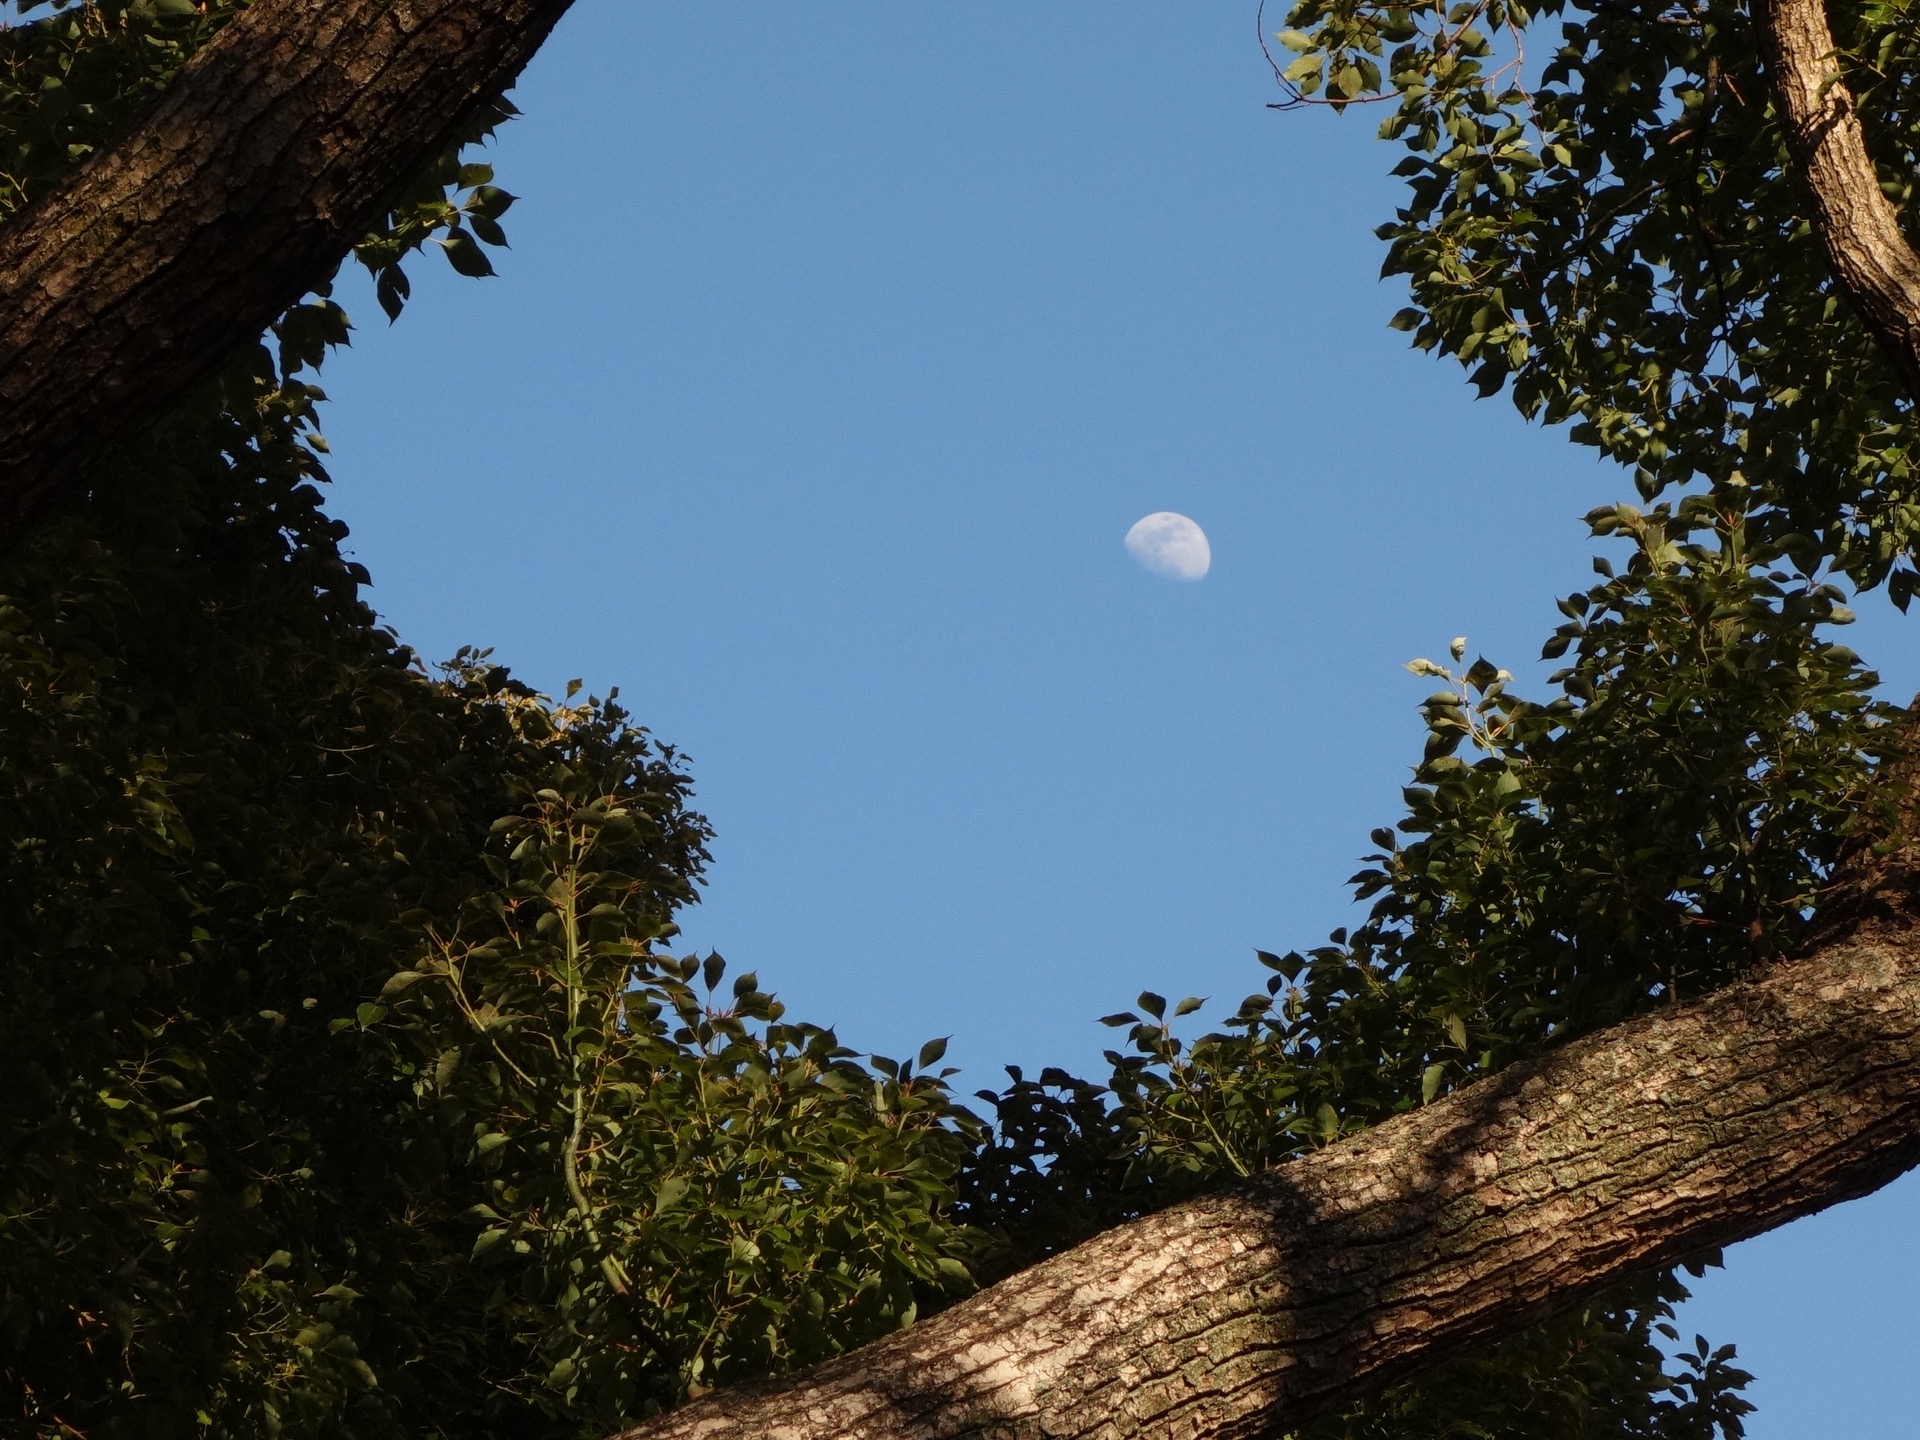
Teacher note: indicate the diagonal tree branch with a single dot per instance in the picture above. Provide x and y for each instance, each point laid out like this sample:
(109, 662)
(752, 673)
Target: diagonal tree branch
(1247, 1313)
(272, 153)
(1872, 259)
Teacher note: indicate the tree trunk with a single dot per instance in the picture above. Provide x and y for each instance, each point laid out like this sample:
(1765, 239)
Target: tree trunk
(1249, 1312)
(1857, 224)
(274, 151)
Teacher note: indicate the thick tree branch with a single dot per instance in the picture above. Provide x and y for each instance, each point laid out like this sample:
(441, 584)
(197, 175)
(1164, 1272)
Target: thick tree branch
(1249, 1312)
(271, 154)
(1855, 221)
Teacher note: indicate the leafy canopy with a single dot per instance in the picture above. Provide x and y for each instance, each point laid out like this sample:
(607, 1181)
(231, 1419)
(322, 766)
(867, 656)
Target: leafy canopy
(1601, 221)
(348, 1085)
(345, 1085)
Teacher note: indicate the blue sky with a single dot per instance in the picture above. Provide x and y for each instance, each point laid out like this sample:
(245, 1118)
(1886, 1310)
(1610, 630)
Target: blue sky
(838, 349)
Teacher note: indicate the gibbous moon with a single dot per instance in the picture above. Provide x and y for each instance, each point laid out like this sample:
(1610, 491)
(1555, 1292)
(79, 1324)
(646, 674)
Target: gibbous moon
(1170, 545)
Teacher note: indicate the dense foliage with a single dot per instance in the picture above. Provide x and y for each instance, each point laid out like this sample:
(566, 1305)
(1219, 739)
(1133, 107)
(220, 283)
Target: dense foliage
(344, 1087)
(348, 1085)
(1600, 219)
(331, 990)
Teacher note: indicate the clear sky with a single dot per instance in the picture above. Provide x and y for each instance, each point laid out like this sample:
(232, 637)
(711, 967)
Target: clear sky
(838, 349)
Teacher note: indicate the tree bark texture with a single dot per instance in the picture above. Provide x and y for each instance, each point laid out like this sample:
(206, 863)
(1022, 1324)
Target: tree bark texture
(1856, 223)
(1249, 1312)
(276, 149)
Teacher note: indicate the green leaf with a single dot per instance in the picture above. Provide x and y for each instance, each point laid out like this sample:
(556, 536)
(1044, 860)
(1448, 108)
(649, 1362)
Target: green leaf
(488, 230)
(392, 290)
(405, 980)
(670, 1192)
(465, 256)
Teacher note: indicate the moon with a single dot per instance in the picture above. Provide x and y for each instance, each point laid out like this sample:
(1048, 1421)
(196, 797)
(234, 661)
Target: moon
(1171, 545)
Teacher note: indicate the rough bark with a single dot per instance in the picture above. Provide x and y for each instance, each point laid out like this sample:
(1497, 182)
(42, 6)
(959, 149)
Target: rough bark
(1247, 1313)
(1875, 265)
(271, 154)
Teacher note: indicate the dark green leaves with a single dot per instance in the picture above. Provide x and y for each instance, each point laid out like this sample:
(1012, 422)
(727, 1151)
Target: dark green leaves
(694, 1188)
(1620, 247)
(455, 205)
(464, 254)
(335, 1039)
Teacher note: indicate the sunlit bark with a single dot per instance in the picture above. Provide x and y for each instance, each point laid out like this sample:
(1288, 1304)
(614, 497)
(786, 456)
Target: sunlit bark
(1872, 258)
